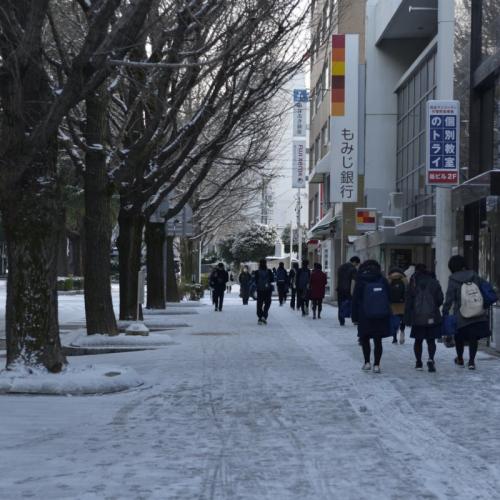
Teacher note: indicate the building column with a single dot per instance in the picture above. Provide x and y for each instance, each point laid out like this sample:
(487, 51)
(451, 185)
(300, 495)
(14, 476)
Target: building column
(445, 83)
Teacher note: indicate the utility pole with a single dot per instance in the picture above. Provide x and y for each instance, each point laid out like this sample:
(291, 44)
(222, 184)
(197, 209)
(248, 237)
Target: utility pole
(445, 83)
(298, 209)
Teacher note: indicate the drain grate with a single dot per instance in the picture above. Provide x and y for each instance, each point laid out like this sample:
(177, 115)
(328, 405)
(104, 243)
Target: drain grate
(214, 334)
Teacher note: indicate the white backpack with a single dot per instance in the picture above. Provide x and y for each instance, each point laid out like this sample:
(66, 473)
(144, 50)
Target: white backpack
(471, 300)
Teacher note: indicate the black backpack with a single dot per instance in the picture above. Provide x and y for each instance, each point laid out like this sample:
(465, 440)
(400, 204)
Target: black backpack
(424, 307)
(397, 291)
(376, 303)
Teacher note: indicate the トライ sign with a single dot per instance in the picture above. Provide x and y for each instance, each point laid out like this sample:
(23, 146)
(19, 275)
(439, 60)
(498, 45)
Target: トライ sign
(443, 143)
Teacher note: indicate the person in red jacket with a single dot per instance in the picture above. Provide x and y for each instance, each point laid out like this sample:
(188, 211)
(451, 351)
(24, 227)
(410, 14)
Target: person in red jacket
(317, 289)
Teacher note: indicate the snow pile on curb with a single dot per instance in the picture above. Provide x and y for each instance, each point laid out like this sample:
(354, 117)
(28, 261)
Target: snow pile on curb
(71, 381)
(152, 340)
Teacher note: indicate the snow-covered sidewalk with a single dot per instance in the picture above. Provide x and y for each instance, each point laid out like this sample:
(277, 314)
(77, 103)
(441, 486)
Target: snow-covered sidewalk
(233, 410)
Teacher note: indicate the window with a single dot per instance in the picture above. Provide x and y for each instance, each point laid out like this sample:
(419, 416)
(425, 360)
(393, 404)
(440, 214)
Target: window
(410, 170)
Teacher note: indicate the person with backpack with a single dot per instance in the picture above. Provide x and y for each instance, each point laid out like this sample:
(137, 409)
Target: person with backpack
(317, 289)
(245, 279)
(398, 285)
(292, 280)
(371, 311)
(423, 301)
(282, 282)
(303, 280)
(218, 280)
(263, 278)
(465, 295)
(346, 275)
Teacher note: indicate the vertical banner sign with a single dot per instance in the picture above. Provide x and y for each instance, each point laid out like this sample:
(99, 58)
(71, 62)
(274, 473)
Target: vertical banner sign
(299, 164)
(300, 100)
(443, 143)
(344, 118)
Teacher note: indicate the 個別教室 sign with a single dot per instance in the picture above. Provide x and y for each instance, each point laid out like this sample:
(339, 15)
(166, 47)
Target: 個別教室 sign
(443, 142)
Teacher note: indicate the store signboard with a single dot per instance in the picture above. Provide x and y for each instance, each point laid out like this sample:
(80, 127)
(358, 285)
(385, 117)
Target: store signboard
(344, 118)
(366, 219)
(300, 100)
(299, 164)
(443, 143)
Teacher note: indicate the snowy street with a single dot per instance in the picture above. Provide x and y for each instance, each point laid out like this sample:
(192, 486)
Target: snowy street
(233, 410)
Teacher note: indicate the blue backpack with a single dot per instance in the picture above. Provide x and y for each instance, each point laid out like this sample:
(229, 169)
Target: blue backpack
(488, 293)
(376, 303)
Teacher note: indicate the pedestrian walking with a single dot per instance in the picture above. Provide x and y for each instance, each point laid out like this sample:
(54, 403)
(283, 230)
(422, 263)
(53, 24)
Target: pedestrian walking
(346, 276)
(398, 285)
(282, 282)
(464, 294)
(317, 289)
(245, 278)
(371, 311)
(218, 280)
(303, 281)
(264, 279)
(292, 279)
(423, 301)
(229, 285)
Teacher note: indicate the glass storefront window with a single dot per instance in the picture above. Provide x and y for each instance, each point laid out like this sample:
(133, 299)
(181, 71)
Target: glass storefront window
(490, 31)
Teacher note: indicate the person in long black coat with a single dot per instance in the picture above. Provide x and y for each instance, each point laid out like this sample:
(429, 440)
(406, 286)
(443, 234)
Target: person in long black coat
(424, 282)
(368, 327)
(245, 279)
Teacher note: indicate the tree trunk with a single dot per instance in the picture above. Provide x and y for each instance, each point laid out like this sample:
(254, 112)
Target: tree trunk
(172, 289)
(155, 239)
(97, 270)
(187, 257)
(32, 222)
(129, 261)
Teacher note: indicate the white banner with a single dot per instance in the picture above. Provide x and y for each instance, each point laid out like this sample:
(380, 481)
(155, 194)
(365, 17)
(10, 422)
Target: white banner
(344, 129)
(299, 164)
(299, 119)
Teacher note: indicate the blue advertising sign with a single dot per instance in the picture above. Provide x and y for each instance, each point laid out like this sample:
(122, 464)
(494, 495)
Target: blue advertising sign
(443, 143)
(300, 95)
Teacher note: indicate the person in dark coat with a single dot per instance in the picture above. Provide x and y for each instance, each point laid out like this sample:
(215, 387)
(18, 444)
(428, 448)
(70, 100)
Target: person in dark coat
(245, 278)
(423, 301)
(303, 280)
(218, 280)
(346, 276)
(263, 279)
(292, 279)
(370, 276)
(282, 282)
(399, 283)
(468, 329)
(317, 289)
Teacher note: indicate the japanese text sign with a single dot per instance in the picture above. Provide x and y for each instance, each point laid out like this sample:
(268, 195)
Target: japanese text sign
(300, 99)
(443, 143)
(299, 164)
(344, 119)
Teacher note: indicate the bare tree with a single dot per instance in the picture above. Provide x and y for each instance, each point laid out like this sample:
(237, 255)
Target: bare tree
(36, 92)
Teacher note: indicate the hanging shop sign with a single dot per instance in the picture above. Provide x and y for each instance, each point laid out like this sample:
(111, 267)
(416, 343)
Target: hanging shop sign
(443, 143)
(366, 219)
(344, 118)
(299, 164)
(300, 100)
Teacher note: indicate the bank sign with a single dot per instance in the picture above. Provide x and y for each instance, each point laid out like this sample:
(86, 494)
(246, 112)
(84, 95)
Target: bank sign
(443, 143)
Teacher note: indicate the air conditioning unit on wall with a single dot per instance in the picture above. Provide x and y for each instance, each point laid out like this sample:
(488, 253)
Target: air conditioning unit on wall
(390, 221)
(395, 203)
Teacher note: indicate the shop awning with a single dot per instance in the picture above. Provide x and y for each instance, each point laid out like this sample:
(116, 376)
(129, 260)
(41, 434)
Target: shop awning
(319, 171)
(424, 225)
(481, 186)
(323, 227)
